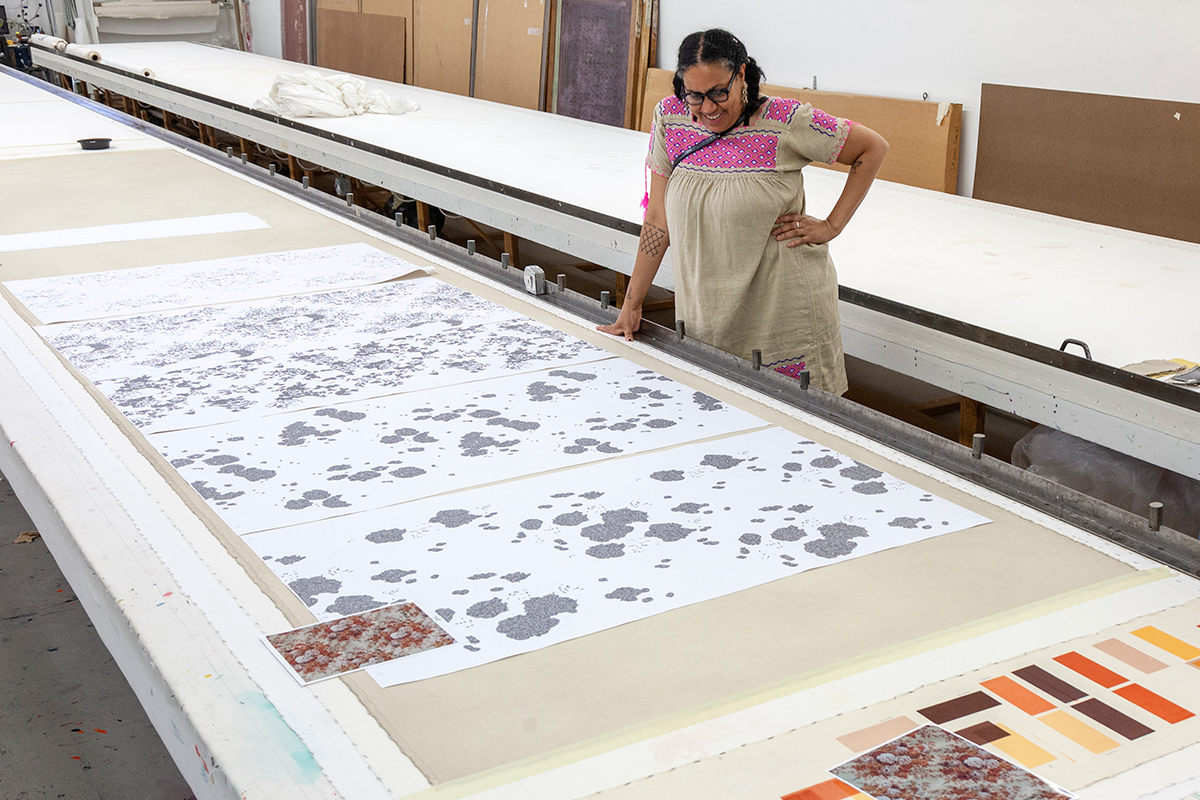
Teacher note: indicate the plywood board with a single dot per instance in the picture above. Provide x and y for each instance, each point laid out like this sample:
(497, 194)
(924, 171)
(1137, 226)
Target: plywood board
(593, 60)
(924, 136)
(1122, 161)
(442, 38)
(508, 54)
(396, 8)
(341, 5)
(361, 44)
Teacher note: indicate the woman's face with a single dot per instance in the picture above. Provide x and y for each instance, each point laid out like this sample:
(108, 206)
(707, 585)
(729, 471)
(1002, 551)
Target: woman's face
(704, 78)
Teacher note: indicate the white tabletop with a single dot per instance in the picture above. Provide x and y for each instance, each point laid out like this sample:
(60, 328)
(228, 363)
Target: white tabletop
(37, 123)
(1032, 276)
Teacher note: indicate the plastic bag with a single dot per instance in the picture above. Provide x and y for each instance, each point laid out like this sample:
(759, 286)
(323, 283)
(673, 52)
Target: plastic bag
(310, 94)
(1115, 478)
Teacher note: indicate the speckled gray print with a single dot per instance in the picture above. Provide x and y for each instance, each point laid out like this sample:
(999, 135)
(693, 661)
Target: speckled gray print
(200, 337)
(140, 290)
(187, 396)
(291, 468)
(514, 567)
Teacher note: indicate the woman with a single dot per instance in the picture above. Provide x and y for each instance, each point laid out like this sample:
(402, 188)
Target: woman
(752, 270)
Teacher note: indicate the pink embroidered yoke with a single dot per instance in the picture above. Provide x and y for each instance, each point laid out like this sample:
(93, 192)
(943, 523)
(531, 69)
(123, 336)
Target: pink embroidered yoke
(736, 287)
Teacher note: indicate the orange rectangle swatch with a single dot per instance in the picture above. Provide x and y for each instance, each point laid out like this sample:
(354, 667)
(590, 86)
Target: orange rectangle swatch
(1079, 732)
(829, 790)
(868, 738)
(1156, 704)
(1021, 750)
(1009, 690)
(1090, 669)
(1165, 641)
(1129, 655)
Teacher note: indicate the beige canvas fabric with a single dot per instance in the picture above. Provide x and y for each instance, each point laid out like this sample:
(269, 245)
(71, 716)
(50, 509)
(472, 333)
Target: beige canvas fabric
(737, 288)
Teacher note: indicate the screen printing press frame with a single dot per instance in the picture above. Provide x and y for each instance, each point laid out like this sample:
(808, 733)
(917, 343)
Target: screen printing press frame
(969, 296)
(182, 615)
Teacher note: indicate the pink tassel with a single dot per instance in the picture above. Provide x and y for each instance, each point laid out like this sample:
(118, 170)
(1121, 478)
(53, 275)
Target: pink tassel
(646, 196)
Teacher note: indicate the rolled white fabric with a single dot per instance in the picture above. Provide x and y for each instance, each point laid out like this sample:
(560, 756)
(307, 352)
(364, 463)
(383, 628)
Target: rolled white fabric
(81, 52)
(52, 42)
(125, 65)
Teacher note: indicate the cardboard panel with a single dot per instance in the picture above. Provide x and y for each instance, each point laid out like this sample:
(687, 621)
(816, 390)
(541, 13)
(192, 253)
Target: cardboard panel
(1121, 161)
(924, 140)
(340, 5)
(442, 38)
(508, 55)
(396, 8)
(361, 44)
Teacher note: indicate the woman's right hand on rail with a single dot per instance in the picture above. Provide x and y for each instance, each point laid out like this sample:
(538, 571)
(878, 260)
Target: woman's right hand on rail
(627, 324)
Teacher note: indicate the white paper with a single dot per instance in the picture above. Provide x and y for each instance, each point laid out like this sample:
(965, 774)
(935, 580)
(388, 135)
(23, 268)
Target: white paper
(223, 389)
(132, 231)
(141, 290)
(124, 346)
(516, 567)
(292, 468)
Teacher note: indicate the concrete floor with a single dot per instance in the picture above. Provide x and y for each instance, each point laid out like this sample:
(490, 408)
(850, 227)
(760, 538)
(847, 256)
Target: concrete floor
(70, 726)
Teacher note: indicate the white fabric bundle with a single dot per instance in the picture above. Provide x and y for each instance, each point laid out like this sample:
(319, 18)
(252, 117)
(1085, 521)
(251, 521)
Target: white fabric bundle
(310, 94)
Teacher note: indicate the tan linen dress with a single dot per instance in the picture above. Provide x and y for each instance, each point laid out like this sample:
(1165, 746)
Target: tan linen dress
(736, 287)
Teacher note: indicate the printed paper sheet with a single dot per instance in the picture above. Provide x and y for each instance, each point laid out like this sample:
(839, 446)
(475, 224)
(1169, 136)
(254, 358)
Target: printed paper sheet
(511, 568)
(141, 290)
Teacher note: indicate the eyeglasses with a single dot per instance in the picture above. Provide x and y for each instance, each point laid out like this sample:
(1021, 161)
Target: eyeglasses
(716, 95)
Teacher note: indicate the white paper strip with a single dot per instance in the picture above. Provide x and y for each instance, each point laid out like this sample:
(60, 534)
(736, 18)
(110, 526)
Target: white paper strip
(292, 468)
(132, 231)
(517, 567)
(93, 295)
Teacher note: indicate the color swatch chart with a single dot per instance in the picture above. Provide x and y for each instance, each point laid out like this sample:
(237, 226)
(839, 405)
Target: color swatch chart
(1072, 715)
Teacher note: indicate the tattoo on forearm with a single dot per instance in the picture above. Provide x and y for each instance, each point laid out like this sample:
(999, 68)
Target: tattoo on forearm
(654, 239)
(855, 167)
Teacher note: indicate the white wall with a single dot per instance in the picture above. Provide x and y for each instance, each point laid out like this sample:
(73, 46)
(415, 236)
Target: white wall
(947, 48)
(266, 27)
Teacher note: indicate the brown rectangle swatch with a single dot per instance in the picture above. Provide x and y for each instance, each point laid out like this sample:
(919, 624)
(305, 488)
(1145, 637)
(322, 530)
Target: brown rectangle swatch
(1112, 719)
(983, 733)
(1051, 685)
(958, 707)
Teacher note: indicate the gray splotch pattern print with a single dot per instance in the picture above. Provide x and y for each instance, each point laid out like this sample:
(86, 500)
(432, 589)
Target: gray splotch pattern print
(198, 338)
(291, 468)
(141, 290)
(188, 396)
(526, 564)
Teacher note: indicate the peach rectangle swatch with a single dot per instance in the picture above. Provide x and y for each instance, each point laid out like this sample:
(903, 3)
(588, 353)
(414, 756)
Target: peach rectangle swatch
(1021, 750)
(1130, 655)
(1079, 732)
(1009, 690)
(867, 738)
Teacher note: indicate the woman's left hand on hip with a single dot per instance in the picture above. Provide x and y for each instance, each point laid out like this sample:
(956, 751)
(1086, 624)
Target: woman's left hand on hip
(797, 229)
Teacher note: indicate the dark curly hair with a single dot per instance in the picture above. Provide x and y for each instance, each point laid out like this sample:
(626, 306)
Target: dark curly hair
(719, 46)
